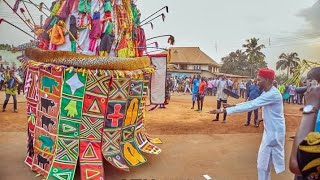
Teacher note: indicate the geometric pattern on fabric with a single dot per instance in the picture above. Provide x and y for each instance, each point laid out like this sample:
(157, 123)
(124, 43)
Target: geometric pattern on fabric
(68, 128)
(119, 89)
(92, 171)
(47, 119)
(61, 171)
(142, 141)
(136, 88)
(98, 84)
(67, 149)
(95, 104)
(31, 116)
(94, 110)
(111, 148)
(91, 128)
(111, 141)
(31, 93)
(90, 151)
(146, 83)
(31, 88)
(128, 133)
(128, 147)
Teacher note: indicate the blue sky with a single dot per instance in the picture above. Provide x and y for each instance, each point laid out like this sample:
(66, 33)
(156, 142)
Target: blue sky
(226, 23)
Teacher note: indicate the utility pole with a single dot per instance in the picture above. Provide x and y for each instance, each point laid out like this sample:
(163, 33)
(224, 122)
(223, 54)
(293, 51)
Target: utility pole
(216, 46)
(269, 42)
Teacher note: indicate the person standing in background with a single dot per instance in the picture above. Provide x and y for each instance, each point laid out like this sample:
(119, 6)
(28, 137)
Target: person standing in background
(11, 90)
(254, 92)
(195, 89)
(187, 83)
(242, 89)
(210, 87)
(235, 87)
(292, 93)
(214, 86)
(222, 97)
(248, 84)
(201, 93)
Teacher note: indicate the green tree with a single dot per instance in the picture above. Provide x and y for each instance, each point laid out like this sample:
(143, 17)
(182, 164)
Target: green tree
(288, 61)
(235, 63)
(256, 59)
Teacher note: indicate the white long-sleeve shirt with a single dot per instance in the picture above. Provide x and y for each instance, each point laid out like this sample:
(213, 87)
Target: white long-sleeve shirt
(272, 145)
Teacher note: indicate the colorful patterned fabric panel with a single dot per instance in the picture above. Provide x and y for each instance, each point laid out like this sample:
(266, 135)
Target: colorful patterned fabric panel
(94, 110)
(67, 148)
(112, 133)
(32, 96)
(129, 147)
(50, 83)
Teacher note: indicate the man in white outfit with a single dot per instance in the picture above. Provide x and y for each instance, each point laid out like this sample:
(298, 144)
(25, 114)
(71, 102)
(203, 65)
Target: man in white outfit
(271, 150)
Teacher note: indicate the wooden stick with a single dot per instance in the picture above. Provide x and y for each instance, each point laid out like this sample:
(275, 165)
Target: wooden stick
(17, 28)
(17, 14)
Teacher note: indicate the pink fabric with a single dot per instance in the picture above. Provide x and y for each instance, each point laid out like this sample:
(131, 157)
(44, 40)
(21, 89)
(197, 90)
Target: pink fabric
(141, 43)
(96, 27)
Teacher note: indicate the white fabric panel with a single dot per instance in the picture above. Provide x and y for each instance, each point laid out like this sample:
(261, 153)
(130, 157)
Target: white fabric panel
(158, 80)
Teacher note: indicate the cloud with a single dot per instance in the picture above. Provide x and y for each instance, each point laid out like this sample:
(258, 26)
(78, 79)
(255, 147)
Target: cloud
(312, 15)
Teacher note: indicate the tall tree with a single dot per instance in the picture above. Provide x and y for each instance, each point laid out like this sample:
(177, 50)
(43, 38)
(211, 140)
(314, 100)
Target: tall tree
(288, 61)
(235, 63)
(256, 58)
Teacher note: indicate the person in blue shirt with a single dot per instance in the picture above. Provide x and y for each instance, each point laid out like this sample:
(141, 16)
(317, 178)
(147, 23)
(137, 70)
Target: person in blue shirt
(253, 92)
(195, 89)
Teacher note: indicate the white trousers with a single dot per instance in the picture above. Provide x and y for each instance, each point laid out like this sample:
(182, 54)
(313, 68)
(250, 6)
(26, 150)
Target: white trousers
(265, 174)
(187, 88)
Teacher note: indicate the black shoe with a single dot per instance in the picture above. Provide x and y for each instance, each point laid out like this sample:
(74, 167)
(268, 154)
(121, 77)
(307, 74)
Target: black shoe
(246, 124)
(192, 108)
(215, 120)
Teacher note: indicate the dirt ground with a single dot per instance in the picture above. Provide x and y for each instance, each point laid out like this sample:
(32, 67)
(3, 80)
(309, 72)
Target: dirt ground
(192, 146)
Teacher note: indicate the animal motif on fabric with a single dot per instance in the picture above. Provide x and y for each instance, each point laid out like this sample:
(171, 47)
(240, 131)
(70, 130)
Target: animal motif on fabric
(42, 161)
(46, 104)
(46, 121)
(47, 142)
(50, 83)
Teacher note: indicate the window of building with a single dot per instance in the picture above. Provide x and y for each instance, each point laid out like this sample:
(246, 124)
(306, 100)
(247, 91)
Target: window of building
(197, 67)
(183, 66)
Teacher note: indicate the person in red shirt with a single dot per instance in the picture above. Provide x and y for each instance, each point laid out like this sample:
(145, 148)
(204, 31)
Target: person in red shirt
(201, 93)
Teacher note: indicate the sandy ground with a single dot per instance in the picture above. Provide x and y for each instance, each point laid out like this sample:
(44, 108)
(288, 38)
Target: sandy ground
(193, 144)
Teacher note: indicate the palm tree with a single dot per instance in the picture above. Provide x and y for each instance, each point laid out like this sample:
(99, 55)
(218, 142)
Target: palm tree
(255, 56)
(288, 61)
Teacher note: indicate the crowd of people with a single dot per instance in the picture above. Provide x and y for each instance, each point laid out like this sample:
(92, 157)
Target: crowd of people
(266, 93)
(11, 81)
(214, 86)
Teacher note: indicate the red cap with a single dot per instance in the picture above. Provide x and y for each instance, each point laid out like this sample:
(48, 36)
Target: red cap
(266, 73)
